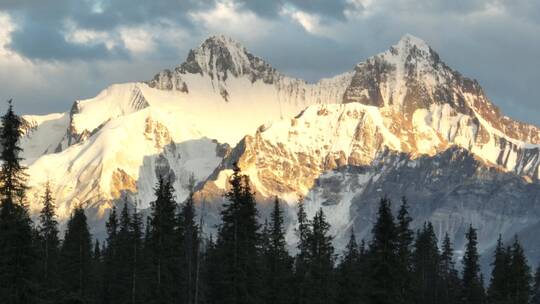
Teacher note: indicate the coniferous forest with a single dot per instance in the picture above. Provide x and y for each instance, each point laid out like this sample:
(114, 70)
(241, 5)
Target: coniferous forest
(164, 257)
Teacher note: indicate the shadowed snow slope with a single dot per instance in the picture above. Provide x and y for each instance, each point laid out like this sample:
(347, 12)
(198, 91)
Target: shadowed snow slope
(400, 112)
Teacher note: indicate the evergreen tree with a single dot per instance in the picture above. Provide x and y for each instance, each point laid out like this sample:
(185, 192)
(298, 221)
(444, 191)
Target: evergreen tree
(277, 262)
(96, 286)
(137, 261)
(536, 287)
(50, 243)
(404, 243)
(188, 234)
(122, 260)
(303, 232)
(426, 262)
(76, 257)
(383, 260)
(238, 243)
(110, 259)
(520, 278)
(162, 245)
(320, 270)
(17, 254)
(498, 290)
(211, 274)
(472, 287)
(450, 284)
(349, 274)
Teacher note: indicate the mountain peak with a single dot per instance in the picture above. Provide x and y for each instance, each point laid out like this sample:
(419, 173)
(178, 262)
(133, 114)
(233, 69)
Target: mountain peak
(409, 47)
(222, 41)
(220, 56)
(409, 41)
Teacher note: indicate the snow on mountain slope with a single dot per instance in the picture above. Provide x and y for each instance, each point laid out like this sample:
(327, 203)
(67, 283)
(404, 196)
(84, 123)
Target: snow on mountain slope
(405, 100)
(452, 189)
(287, 134)
(121, 140)
(43, 133)
(125, 155)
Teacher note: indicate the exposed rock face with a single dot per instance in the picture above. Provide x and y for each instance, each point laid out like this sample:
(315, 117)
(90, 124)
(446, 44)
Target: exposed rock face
(221, 59)
(452, 189)
(401, 122)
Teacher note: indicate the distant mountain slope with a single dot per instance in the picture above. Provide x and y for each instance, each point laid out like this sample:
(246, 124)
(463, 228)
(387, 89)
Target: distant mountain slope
(341, 142)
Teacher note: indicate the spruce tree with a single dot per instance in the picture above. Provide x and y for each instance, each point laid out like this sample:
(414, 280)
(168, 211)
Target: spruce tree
(110, 259)
(50, 244)
(349, 275)
(450, 283)
(162, 245)
(383, 260)
(426, 262)
(303, 232)
(472, 287)
(76, 257)
(536, 286)
(320, 268)
(211, 274)
(137, 260)
(122, 261)
(17, 253)
(520, 278)
(96, 274)
(188, 234)
(277, 262)
(498, 290)
(405, 238)
(238, 243)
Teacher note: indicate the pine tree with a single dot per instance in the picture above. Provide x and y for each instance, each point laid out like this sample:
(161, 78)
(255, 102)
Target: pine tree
(349, 274)
(520, 278)
(110, 258)
(188, 234)
(238, 243)
(277, 262)
(76, 257)
(96, 274)
(536, 287)
(137, 261)
(450, 284)
(122, 259)
(426, 262)
(472, 287)
(17, 254)
(303, 232)
(211, 274)
(162, 245)
(405, 238)
(50, 243)
(383, 260)
(320, 270)
(498, 290)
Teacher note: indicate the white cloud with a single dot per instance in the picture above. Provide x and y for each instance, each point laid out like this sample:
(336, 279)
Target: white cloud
(229, 18)
(7, 27)
(137, 40)
(74, 34)
(311, 23)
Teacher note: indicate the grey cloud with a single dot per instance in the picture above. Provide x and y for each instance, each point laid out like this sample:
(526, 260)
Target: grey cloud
(40, 24)
(332, 9)
(501, 52)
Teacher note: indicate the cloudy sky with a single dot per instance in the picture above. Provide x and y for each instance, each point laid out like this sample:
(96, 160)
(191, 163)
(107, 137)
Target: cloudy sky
(53, 52)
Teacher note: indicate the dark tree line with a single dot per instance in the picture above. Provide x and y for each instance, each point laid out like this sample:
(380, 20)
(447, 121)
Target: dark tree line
(165, 258)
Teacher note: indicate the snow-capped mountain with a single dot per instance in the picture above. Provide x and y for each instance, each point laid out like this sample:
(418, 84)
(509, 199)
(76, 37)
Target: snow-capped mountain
(340, 142)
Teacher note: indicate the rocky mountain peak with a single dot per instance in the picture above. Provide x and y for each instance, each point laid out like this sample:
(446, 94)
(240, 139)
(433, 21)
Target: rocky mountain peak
(218, 57)
(221, 56)
(410, 45)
